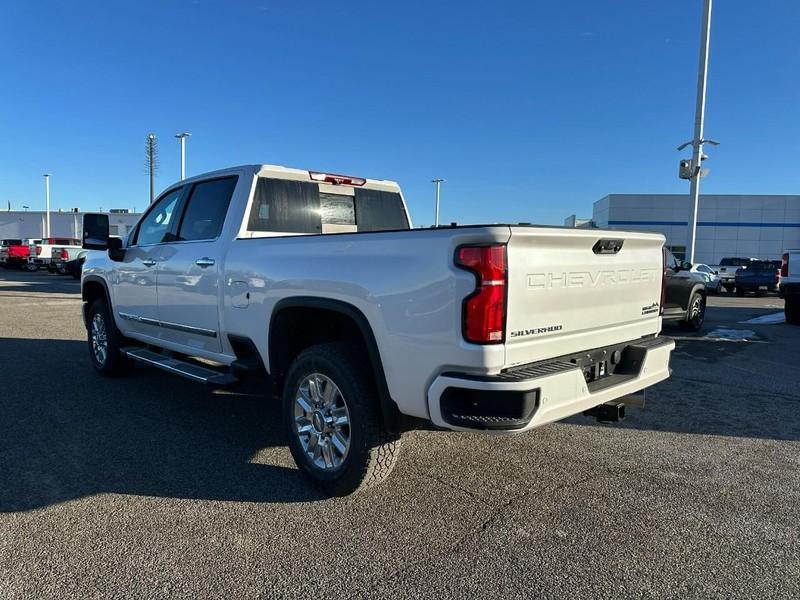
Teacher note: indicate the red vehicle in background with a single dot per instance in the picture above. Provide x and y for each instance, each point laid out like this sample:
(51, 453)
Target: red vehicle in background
(14, 254)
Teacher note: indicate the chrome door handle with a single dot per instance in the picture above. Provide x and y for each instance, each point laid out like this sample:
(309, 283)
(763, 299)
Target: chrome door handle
(148, 262)
(205, 262)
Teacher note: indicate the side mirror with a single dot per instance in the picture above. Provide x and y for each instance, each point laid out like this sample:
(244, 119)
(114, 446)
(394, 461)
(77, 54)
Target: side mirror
(116, 249)
(95, 231)
(686, 266)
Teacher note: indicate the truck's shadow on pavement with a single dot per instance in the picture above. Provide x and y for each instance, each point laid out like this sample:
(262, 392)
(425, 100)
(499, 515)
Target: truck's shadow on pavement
(66, 433)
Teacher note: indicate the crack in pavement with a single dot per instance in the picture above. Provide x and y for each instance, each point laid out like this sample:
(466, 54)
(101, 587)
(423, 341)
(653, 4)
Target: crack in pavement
(494, 516)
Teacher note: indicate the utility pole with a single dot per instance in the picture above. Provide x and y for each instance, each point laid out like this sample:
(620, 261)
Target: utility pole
(47, 205)
(699, 117)
(438, 183)
(151, 162)
(182, 137)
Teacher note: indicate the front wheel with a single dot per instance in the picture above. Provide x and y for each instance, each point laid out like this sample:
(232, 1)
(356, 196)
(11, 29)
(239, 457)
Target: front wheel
(105, 342)
(696, 314)
(331, 409)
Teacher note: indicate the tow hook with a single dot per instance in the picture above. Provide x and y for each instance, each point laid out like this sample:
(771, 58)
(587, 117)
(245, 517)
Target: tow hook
(610, 412)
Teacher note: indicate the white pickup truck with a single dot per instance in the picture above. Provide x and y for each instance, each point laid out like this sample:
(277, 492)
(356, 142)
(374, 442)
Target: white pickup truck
(370, 328)
(789, 285)
(41, 251)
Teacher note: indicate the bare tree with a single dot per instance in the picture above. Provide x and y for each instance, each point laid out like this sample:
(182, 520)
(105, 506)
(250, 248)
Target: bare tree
(151, 162)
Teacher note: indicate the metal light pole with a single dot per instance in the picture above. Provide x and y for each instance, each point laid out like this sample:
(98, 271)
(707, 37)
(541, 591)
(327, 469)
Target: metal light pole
(182, 137)
(699, 116)
(47, 205)
(438, 183)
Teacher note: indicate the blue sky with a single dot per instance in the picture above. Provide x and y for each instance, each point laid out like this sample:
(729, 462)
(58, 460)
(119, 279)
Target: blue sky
(531, 110)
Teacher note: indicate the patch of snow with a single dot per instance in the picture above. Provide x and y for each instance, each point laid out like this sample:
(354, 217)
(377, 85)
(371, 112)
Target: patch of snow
(733, 335)
(770, 319)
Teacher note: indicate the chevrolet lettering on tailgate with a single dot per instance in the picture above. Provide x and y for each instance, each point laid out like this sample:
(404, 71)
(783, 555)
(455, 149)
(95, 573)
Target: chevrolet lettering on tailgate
(589, 279)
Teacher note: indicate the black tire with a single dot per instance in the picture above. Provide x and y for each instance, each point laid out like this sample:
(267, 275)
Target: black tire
(739, 292)
(791, 309)
(372, 451)
(696, 313)
(31, 267)
(113, 363)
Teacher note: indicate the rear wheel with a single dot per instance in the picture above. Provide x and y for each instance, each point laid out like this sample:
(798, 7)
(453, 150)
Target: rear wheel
(696, 314)
(29, 266)
(791, 309)
(105, 342)
(331, 409)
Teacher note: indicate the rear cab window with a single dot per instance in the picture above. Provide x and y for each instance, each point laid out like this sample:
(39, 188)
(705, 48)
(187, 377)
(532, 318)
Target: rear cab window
(734, 262)
(287, 207)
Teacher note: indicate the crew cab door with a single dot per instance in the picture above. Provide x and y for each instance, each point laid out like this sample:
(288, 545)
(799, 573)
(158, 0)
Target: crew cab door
(135, 292)
(679, 284)
(189, 268)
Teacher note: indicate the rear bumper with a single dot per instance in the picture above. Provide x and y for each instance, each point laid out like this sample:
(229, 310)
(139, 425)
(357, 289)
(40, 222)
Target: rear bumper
(526, 397)
(747, 286)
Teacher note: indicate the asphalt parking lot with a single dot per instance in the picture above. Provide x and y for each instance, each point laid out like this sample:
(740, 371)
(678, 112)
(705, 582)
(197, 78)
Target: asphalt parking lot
(152, 486)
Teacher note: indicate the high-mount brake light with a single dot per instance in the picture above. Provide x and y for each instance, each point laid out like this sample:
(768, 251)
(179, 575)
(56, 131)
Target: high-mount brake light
(663, 280)
(484, 310)
(336, 179)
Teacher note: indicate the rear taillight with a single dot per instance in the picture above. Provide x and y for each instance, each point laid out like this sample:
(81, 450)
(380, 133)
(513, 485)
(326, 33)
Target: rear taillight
(64, 255)
(784, 272)
(38, 250)
(663, 280)
(484, 310)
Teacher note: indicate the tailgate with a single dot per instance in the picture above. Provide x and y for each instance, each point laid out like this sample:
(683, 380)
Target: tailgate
(570, 290)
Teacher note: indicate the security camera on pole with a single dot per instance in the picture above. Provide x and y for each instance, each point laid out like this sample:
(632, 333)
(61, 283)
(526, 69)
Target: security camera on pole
(690, 169)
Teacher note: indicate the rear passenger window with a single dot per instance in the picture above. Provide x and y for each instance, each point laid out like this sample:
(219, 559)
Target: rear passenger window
(206, 209)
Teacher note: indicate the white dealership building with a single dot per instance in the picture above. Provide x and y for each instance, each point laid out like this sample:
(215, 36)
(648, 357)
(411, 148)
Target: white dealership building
(760, 226)
(16, 224)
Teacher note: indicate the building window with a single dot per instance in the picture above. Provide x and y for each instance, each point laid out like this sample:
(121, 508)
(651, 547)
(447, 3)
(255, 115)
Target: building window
(678, 251)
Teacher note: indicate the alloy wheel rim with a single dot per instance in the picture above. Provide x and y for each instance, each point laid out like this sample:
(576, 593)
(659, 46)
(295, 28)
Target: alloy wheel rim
(322, 421)
(99, 339)
(697, 310)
